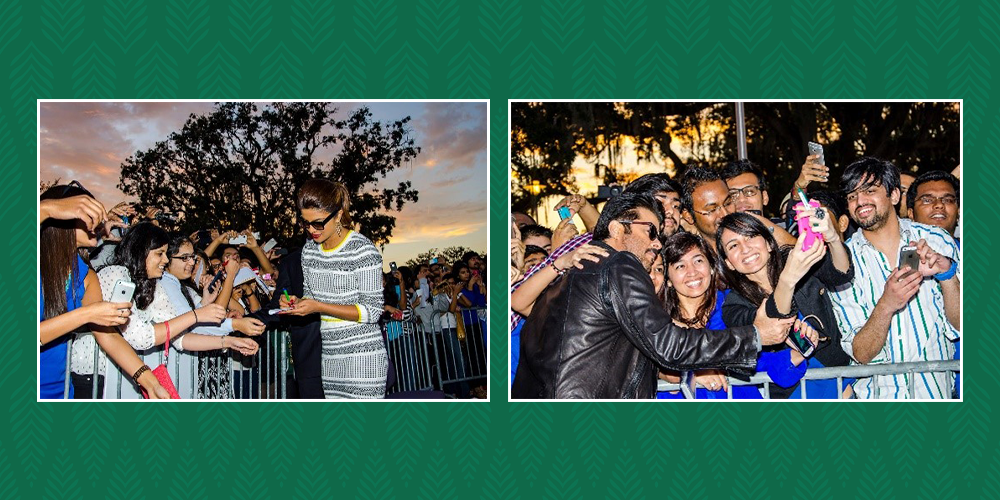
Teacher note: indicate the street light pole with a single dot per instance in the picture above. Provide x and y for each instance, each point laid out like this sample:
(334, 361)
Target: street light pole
(741, 132)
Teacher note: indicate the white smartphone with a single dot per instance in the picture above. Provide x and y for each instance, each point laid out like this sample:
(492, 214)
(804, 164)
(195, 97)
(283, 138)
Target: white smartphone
(272, 312)
(239, 240)
(269, 245)
(123, 291)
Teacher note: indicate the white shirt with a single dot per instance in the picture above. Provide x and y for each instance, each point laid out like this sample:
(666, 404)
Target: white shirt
(919, 332)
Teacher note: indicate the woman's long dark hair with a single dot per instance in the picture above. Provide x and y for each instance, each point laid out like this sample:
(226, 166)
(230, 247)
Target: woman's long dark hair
(135, 246)
(675, 247)
(57, 258)
(748, 225)
(172, 248)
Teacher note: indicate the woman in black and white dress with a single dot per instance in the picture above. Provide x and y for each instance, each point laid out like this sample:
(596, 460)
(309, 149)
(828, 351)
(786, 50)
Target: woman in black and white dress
(342, 284)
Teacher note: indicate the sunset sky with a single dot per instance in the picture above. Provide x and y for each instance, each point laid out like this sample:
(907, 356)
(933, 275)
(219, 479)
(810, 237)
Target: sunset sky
(88, 141)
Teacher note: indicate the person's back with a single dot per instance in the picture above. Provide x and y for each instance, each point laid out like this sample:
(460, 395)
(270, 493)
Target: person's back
(572, 345)
(600, 332)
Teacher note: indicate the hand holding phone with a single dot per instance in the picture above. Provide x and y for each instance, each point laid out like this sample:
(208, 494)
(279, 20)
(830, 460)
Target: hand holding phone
(564, 213)
(269, 245)
(803, 222)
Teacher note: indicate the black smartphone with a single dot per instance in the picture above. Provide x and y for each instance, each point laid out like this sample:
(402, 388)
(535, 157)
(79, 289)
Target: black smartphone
(392, 267)
(216, 279)
(756, 212)
(802, 343)
(608, 192)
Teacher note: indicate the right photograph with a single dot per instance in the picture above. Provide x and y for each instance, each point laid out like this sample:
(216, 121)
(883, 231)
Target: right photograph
(735, 250)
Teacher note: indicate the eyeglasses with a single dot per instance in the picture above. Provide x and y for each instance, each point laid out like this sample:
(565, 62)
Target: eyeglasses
(185, 258)
(75, 184)
(317, 225)
(929, 199)
(654, 232)
(728, 204)
(746, 192)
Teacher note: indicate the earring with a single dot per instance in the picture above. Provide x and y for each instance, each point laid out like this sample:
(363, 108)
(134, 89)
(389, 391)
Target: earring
(338, 228)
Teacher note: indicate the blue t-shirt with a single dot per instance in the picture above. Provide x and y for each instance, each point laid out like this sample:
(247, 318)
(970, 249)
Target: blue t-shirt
(52, 358)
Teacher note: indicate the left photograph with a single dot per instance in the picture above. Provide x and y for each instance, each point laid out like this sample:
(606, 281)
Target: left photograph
(242, 250)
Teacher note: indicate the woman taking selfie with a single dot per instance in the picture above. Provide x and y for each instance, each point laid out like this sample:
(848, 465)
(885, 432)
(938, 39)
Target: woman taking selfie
(792, 284)
(341, 288)
(141, 258)
(693, 299)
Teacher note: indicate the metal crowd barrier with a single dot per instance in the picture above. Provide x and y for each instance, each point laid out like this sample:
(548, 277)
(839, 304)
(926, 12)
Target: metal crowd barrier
(407, 345)
(836, 372)
(459, 362)
(208, 374)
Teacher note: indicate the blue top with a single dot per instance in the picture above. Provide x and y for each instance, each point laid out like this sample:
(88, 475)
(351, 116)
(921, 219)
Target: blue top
(778, 365)
(52, 358)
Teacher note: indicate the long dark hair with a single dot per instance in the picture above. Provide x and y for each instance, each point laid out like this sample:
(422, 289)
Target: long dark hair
(135, 246)
(748, 225)
(675, 247)
(57, 258)
(172, 248)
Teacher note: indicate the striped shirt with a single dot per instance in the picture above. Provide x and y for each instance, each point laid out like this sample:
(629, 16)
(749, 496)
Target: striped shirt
(569, 246)
(918, 332)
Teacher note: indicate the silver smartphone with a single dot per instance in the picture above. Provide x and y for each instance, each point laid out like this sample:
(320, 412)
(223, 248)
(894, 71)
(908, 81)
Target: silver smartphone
(239, 240)
(269, 245)
(908, 257)
(817, 149)
(123, 291)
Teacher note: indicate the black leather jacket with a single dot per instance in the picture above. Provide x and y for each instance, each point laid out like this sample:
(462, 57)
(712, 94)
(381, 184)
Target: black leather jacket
(601, 333)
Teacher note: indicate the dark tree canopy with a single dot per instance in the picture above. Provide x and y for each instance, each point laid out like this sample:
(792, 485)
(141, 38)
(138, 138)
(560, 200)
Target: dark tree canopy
(451, 255)
(547, 137)
(239, 166)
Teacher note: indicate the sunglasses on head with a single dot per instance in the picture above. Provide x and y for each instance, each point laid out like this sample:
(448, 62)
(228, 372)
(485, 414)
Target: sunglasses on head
(317, 224)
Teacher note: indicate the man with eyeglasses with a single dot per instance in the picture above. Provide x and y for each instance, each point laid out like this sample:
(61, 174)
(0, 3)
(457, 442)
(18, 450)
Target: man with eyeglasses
(933, 200)
(892, 313)
(705, 200)
(599, 331)
(748, 189)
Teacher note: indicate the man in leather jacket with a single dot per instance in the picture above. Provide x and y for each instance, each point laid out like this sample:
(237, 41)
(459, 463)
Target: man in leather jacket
(599, 331)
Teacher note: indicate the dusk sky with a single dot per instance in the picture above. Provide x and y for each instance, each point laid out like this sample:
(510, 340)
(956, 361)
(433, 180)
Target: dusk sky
(88, 141)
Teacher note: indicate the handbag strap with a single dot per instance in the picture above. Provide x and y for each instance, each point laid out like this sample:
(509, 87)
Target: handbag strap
(166, 347)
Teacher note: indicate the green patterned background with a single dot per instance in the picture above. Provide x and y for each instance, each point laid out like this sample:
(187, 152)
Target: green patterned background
(474, 49)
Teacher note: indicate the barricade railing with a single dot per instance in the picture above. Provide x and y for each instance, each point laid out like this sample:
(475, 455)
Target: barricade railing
(407, 345)
(458, 360)
(204, 375)
(830, 373)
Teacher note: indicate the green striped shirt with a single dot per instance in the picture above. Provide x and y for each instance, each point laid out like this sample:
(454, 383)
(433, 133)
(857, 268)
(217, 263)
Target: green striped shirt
(918, 332)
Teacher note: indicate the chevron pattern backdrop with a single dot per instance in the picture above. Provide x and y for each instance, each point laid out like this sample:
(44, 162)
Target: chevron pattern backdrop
(496, 49)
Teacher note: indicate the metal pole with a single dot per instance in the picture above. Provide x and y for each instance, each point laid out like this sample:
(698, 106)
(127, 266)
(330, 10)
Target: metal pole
(741, 132)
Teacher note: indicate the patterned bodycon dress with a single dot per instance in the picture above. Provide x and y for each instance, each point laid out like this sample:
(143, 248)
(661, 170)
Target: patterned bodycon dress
(355, 362)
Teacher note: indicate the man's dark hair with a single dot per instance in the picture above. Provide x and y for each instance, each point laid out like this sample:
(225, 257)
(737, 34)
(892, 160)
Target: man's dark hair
(877, 172)
(933, 175)
(535, 230)
(740, 167)
(625, 207)
(467, 256)
(695, 176)
(533, 249)
(653, 183)
(830, 200)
